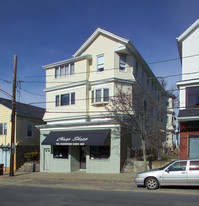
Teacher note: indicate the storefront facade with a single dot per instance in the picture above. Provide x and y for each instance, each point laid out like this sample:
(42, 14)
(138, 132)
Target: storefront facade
(92, 150)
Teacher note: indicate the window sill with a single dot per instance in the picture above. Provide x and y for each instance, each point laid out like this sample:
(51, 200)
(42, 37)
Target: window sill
(96, 104)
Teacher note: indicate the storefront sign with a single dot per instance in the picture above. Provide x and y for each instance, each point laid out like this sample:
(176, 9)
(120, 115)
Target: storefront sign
(78, 140)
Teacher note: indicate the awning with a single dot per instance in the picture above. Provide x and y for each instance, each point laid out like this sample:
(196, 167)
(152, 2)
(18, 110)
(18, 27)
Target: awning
(89, 138)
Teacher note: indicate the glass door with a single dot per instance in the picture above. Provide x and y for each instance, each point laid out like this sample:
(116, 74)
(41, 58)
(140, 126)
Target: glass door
(82, 157)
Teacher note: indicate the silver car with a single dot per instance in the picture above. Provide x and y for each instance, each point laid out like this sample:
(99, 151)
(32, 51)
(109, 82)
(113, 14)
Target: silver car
(176, 173)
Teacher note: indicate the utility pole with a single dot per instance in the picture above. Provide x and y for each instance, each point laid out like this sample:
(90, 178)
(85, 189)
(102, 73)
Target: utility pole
(12, 156)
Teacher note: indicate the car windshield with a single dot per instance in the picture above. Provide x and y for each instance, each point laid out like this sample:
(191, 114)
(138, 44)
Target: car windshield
(162, 168)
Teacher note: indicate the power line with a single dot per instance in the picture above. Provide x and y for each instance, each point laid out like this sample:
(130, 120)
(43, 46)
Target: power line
(173, 59)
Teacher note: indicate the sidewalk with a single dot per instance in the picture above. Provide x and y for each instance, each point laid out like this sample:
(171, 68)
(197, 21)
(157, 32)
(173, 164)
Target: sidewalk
(122, 181)
(75, 176)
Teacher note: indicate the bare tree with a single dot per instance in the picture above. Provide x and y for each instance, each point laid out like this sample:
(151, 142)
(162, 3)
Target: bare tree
(139, 114)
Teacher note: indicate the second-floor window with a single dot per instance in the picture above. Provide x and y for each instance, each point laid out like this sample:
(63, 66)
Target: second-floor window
(3, 128)
(29, 130)
(122, 62)
(100, 63)
(192, 97)
(65, 99)
(100, 96)
(65, 70)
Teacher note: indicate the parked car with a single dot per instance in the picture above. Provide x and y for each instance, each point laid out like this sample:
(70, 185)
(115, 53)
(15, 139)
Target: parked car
(176, 173)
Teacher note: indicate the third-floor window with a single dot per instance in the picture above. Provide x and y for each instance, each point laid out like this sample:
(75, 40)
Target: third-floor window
(122, 62)
(65, 70)
(100, 63)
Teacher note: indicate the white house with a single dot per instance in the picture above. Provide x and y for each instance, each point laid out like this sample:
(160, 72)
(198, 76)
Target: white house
(188, 45)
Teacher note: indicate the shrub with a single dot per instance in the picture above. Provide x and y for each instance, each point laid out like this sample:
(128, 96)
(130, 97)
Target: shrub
(32, 156)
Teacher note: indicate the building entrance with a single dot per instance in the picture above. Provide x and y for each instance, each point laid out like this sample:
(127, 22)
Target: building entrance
(82, 157)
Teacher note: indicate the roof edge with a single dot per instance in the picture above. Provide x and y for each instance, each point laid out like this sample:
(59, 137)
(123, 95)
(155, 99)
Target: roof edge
(94, 35)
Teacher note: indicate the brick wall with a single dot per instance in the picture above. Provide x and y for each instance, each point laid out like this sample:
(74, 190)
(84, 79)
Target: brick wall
(184, 139)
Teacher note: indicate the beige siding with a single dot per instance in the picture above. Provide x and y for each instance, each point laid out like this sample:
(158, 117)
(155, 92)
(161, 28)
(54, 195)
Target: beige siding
(105, 46)
(5, 118)
(80, 75)
(79, 108)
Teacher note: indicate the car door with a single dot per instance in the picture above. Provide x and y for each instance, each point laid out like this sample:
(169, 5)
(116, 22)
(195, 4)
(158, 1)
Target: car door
(176, 174)
(193, 172)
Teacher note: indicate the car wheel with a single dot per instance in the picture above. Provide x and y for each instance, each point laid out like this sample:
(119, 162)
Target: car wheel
(151, 183)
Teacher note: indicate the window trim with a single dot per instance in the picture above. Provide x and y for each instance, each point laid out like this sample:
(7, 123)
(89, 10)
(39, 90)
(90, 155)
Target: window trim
(59, 74)
(102, 96)
(4, 129)
(27, 130)
(100, 66)
(122, 62)
(59, 98)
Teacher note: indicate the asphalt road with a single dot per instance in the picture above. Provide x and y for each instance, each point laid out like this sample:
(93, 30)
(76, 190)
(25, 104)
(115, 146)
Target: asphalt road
(11, 195)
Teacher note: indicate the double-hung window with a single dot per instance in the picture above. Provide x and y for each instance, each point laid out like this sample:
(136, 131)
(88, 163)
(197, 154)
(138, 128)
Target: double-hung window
(29, 130)
(100, 96)
(65, 99)
(122, 62)
(65, 70)
(3, 128)
(100, 63)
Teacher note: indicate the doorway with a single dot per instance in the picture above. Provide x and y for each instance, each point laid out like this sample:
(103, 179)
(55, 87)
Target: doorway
(46, 163)
(82, 157)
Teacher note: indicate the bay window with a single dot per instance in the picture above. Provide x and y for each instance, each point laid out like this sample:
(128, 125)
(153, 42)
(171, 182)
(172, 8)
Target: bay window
(100, 96)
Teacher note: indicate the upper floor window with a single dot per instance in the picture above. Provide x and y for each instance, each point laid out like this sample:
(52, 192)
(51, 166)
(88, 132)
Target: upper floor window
(100, 96)
(29, 130)
(100, 63)
(123, 62)
(65, 99)
(65, 70)
(3, 128)
(192, 97)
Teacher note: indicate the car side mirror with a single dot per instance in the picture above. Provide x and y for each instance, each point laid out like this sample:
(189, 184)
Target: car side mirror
(167, 170)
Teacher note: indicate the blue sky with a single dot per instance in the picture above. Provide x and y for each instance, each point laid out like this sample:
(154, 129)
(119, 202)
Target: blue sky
(41, 32)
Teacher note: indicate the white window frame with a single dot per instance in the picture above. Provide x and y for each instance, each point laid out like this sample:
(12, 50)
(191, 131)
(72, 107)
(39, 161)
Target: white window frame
(94, 99)
(58, 99)
(27, 130)
(100, 63)
(4, 129)
(64, 70)
(122, 63)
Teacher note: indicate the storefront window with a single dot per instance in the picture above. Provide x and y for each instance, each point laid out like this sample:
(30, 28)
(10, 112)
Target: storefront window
(60, 152)
(99, 152)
